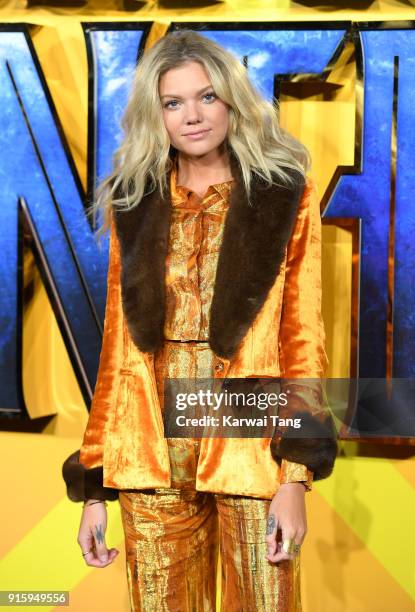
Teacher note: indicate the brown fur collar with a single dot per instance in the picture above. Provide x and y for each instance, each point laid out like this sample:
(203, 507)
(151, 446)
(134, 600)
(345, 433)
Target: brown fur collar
(250, 256)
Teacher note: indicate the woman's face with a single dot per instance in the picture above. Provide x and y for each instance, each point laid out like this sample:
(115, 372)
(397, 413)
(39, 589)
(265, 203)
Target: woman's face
(195, 119)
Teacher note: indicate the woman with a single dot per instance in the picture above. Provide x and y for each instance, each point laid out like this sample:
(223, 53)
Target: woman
(214, 272)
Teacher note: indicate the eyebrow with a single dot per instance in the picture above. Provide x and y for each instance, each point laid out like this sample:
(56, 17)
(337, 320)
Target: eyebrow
(176, 96)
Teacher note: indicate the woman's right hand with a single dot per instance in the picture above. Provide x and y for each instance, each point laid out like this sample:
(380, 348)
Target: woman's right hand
(91, 536)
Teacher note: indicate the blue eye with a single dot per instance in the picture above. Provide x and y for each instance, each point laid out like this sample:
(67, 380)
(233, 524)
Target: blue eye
(210, 94)
(168, 103)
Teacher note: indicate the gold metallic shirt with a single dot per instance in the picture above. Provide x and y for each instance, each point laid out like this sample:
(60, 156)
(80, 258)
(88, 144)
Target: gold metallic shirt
(195, 237)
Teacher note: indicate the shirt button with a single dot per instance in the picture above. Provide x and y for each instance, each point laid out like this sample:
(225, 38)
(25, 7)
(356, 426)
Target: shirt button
(219, 366)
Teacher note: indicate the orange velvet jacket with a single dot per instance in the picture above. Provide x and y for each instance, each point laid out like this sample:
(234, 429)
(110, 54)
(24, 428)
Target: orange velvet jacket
(265, 321)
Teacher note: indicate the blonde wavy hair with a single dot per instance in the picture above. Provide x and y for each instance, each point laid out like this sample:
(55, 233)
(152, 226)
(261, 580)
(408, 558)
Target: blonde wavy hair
(144, 156)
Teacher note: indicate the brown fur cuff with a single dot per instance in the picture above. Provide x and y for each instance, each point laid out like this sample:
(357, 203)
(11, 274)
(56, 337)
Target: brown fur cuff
(83, 483)
(315, 446)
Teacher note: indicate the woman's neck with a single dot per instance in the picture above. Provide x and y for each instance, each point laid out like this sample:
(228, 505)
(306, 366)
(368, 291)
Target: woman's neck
(204, 170)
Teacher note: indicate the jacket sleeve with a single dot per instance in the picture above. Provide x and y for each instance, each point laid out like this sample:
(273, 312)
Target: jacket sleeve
(83, 483)
(303, 360)
(83, 469)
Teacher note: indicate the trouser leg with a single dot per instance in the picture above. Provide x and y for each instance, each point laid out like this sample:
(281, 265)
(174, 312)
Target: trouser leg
(171, 543)
(249, 581)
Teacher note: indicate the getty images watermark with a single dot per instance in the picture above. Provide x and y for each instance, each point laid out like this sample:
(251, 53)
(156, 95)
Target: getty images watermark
(236, 407)
(221, 402)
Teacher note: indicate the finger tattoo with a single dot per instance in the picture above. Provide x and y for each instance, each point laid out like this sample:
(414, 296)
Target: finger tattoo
(270, 524)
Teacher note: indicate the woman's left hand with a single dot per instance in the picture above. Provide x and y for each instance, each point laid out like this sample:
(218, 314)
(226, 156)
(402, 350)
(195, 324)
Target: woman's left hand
(287, 513)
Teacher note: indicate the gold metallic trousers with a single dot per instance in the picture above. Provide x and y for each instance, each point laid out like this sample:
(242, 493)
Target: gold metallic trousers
(172, 536)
